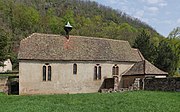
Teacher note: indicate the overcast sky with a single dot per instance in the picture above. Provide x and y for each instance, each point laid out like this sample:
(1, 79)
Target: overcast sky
(162, 15)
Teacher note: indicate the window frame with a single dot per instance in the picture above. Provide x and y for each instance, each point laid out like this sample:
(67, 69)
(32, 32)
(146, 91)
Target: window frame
(97, 72)
(46, 72)
(75, 69)
(49, 73)
(115, 70)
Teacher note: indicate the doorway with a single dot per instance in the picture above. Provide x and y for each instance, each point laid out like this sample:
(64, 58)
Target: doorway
(109, 83)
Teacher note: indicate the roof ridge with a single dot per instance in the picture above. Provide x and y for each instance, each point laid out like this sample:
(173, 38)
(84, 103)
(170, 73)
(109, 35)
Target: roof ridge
(99, 38)
(48, 34)
(139, 53)
(38, 34)
(146, 61)
(75, 36)
(28, 37)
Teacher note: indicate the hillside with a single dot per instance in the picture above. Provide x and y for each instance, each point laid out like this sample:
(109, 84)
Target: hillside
(20, 18)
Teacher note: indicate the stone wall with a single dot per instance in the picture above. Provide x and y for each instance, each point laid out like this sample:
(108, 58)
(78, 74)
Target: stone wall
(162, 84)
(128, 81)
(4, 85)
(9, 84)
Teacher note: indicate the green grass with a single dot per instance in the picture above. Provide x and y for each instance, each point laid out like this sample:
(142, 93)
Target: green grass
(138, 101)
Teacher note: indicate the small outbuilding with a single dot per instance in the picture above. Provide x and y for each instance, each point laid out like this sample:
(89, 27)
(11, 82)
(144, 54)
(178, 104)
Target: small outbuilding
(7, 66)
(141, 70)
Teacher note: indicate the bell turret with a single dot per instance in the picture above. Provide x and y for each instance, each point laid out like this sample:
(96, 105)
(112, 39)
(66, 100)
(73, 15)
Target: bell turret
(67, 28)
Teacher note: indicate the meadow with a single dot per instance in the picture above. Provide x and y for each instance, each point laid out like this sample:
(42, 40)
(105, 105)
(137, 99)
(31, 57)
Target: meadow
(136, 101)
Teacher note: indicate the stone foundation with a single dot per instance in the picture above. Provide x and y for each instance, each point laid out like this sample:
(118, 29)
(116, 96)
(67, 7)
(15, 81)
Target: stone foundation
(4, 85)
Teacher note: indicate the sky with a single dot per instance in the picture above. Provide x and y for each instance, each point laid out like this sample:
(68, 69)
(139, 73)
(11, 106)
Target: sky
(162, 15)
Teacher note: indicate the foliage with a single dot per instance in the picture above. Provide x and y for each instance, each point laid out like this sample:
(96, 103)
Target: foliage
(88, 19)
(3, 46)
(162, 52)
(140, 101)
(21, 18)
(166, 59)
(174, 39)
(146, 47)
(175, 33)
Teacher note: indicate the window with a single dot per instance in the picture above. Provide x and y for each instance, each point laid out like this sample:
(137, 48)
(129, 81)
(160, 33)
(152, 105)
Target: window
(47, 72)
(97, 72)
(44, 73)
(74, 68)
(115, 70)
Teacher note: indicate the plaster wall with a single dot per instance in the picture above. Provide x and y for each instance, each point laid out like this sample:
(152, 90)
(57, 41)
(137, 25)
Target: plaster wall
(63, 80)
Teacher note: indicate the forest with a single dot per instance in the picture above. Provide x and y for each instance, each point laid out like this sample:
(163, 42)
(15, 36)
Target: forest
(20, 18)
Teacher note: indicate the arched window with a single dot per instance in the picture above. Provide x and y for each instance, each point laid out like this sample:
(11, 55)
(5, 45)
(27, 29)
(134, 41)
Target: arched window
(74, 68)
(47, 72)
(115, 70)
(44, 73)
(97, 72)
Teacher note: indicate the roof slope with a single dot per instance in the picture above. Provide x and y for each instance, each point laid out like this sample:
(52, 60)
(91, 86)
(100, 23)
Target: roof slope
(144, 67)
(55, 47)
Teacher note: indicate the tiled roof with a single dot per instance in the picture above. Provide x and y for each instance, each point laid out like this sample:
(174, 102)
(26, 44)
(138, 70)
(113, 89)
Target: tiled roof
(144, 67)
(55, 47)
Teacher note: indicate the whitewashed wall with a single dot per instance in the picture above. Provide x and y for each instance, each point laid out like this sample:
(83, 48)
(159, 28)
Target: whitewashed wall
(7, 67)
(63, 80)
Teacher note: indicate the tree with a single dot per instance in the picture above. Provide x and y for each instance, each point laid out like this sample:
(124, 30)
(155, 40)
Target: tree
(166, 57)
(175, 33)
(3, 46)
(174, 39)
(20, 18)
(145, 46)
(69, 16)
(25, 18)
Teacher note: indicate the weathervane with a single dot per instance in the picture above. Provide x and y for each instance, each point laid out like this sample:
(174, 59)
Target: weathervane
(67, 28)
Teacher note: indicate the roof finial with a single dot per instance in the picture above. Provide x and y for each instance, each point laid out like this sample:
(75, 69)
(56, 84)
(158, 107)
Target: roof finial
(67, 28)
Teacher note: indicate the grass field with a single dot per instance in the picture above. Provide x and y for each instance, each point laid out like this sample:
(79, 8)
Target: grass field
(137, 101)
